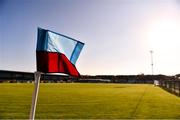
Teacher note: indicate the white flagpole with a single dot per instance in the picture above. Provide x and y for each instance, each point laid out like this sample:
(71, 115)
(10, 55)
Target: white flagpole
(37, 77)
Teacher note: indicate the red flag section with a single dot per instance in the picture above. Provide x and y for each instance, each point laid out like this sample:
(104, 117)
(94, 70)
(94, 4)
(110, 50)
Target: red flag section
(53, 62)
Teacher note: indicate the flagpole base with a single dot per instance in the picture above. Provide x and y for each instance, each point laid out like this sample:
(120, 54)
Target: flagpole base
(37, 77)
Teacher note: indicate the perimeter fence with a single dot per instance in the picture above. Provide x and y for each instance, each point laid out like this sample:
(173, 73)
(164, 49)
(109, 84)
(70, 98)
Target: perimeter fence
(172, 86)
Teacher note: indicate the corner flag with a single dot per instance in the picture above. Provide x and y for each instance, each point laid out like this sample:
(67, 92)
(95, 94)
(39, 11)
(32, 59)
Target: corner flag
(57, 53)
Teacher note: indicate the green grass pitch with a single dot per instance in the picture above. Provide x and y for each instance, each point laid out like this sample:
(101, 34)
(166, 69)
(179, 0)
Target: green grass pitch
(92, 101)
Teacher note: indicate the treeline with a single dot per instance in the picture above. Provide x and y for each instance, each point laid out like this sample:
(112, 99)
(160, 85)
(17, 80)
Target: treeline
(128, 78)
(16, 76)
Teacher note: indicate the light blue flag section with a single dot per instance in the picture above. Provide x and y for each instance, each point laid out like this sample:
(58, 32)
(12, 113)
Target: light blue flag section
(76, 52)
(50, 41)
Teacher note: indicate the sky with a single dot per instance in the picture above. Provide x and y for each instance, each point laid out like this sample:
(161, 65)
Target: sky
(118, 34)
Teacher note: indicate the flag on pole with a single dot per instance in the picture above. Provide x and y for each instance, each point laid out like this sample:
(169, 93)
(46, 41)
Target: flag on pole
(57, 53)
